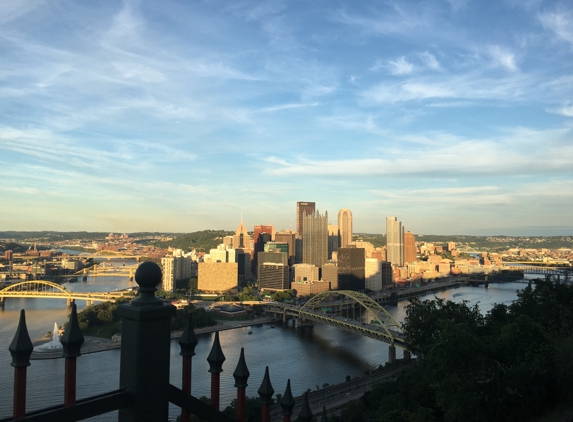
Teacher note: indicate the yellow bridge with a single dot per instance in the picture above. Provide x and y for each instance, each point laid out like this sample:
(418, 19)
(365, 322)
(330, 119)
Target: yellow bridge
(102, 270)
(319, 308)
(49, 290)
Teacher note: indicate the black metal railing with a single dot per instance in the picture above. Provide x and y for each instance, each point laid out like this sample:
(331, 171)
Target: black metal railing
(144, 390)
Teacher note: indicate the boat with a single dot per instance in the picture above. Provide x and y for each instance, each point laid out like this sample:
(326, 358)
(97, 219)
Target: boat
(250, 332)
(273, 326)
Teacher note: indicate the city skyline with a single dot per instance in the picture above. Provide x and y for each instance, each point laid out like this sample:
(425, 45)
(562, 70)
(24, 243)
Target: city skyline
(456, 116)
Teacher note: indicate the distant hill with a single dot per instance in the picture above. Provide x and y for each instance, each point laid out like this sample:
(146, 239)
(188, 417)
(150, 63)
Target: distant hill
(202, 240)
(481, 242)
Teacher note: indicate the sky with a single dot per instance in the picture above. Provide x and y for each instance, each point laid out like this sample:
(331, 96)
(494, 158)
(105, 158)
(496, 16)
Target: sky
(455, 116)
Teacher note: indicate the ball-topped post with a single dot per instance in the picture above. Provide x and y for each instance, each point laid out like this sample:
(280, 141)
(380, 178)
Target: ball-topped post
(145, 349)
(148, 276)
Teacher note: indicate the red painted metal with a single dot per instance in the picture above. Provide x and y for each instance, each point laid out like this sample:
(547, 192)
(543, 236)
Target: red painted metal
(215, 383)
(241, 405)
(19, 392)
(186, 386)
(70, 382)
(265, 413)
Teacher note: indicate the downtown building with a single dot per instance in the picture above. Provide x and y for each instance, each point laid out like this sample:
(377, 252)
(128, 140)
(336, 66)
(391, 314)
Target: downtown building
(176, 268)
(410, 251)
(303, 209)
(273, 270)
(315, 239)
(344, 227)
(394, 241)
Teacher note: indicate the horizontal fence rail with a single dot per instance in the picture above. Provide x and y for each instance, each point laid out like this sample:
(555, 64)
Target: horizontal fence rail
(144, 391)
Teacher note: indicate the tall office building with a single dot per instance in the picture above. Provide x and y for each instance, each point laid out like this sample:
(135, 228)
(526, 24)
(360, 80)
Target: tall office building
(288, 236)
(261, 235)
(302, 209)
(351, 268)
(273, 270)
(344, 227)
(242, 240)
(394, 241)
(333, 237)
(409, 247)
(315, 239)
(175, 268)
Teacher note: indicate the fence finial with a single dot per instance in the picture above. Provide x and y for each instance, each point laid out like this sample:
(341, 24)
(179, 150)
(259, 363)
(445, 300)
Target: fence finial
(241, 373)
(266, 390)
(73, 338)
(148, 276)
(287, 401)
(216, 356)
(188, 340)
(305, 412)
(21, 347)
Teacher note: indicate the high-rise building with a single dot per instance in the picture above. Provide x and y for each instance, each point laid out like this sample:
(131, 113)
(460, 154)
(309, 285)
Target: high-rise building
(261, 235)
(373, 274)
(302, 209)
(344, 227)
(175, 268)
(394, 241)
(315, 239)
(288, 236)
(351, 268)
(410, 252)
(333, 238)
(387, 274)
(242, 240)
(273, 270)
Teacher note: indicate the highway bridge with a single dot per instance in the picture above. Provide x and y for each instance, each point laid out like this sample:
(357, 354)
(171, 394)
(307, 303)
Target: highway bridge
(565, 272)
(319, 308)
(49, 290)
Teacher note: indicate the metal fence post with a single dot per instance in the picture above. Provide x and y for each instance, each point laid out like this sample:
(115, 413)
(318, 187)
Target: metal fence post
(145, 349)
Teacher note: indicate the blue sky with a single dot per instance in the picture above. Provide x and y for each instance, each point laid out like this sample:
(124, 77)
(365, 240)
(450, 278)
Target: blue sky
(455, 116)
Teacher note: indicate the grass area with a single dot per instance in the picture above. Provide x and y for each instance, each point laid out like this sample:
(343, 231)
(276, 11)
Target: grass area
(105, 331)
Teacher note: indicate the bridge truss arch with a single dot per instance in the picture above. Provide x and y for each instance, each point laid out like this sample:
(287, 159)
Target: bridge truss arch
(389, 329)
(38, 286)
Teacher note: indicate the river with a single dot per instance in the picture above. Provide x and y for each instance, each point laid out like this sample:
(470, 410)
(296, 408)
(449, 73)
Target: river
(309, 356)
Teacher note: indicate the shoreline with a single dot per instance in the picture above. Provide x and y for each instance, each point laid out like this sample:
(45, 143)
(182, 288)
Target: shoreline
(99, 344)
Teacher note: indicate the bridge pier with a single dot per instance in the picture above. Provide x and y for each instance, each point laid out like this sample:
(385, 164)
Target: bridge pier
(69, 302)
(407, 355)
(391, 353)
(284, 315)
(2, 302)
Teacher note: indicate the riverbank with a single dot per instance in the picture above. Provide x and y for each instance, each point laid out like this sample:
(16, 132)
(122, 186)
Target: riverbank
(100, 344)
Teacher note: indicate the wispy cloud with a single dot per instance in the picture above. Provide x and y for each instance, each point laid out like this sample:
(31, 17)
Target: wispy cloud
(560, 22)
(400, 66)
(503, 57)
(545, 154)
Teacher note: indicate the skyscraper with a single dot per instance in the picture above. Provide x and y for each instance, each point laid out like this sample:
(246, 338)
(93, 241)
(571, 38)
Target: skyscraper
(302, 209)
(351, 268)
(394, 241)
(344, 227)
(315, 239)
(333, 238)
(409, 247)
(288, 236)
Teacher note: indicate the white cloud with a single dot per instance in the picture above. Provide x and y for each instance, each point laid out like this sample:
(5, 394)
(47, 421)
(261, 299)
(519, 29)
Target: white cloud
(503, 57)
(566, 111)
(429, 60)
(561, 23)
(519, 152)
(400, 66)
